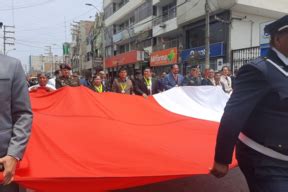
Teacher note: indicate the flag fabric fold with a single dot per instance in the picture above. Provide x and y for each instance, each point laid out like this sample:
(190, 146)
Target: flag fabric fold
(85, 141)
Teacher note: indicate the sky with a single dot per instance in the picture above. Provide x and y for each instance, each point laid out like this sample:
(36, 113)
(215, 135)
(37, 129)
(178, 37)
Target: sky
(41, 23)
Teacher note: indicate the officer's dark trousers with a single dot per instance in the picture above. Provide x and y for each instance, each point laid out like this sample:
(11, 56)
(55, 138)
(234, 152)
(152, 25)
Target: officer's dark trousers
(9, 188)
(262, 173)
(264, 183)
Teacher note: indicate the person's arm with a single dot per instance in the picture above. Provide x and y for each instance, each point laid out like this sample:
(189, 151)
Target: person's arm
(155, 86)
(166, 83)
(182, 80)
(250, 87)
(21, 120)
(57, 84)
(131, 88)
(186, 81)
(114, 86)
(137, 88)
(21, 114)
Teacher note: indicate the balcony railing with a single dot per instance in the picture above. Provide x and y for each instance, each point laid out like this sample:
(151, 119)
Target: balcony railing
(165, 17)
(166, 45)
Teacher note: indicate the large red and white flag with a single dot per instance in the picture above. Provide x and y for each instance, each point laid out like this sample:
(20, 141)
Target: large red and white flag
(85, 141)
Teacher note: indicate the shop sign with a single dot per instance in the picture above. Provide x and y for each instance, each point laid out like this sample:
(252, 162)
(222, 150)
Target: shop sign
(216, 50)
(131, 57)
(164, 57)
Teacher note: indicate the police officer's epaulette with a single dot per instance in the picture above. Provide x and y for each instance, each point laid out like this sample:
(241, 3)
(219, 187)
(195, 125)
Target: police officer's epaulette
(260, 63)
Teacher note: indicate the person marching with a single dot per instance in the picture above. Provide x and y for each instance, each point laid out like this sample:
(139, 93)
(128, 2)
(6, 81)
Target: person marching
(122, 85)
(257, 114)
(97, 85)
(147, 85)
(66, 79)
(173, 79)
(43, 84)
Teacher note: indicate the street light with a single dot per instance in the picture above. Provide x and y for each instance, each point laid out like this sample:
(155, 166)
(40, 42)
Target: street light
(91, 5)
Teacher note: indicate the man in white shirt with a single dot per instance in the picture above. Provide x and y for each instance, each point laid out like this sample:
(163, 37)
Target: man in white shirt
(225, 80)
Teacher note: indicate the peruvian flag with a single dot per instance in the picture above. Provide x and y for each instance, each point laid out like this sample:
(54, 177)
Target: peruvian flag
(86, 141)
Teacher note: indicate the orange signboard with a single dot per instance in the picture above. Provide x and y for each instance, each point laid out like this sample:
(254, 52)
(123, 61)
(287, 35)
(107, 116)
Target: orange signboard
(130, 57)
(164, 57)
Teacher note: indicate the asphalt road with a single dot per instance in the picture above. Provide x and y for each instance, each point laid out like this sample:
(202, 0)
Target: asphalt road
(233, 182)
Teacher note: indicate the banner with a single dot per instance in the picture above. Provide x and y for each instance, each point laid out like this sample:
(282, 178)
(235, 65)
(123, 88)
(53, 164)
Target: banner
(216, 50)
(130, 57)
(164, 57)
(86, 141)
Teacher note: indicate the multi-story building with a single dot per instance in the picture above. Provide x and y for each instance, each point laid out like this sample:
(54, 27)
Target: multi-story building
(167, 36)
(235, 29)
(44, 64)
(173, 31)
(128, 33)
(95, 48)
(80, 47)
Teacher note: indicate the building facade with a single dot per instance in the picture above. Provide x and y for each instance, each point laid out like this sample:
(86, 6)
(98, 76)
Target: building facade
(173, 31)
(80, 47)
(44, 64)
(128, 34)
(235, 27)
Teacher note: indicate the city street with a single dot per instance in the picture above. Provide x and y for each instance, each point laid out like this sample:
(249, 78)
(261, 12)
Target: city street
(102, 95)
(233, 182)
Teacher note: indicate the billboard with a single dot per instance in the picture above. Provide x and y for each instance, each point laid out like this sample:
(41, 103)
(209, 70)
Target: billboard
(164, 57)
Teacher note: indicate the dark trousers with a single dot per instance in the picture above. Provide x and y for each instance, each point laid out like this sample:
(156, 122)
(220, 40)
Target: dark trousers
(264, 183)
(262, 173)
(13, 187)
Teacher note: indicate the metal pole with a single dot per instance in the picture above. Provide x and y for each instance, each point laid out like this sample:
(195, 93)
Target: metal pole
(207, 36)
(4, 41)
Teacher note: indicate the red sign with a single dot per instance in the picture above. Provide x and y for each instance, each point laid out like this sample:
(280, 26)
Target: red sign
(164, 57)
(130, 57)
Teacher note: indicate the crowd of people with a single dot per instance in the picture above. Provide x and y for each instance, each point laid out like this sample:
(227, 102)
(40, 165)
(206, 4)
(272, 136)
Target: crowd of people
(143, 83)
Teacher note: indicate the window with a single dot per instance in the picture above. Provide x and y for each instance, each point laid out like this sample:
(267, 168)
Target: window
(218, 34)
(109, 10)
(114, 29)
(122, 3)
(196, 36)
(169, 11)
(124, 48)
(143, 11)
(154, 11)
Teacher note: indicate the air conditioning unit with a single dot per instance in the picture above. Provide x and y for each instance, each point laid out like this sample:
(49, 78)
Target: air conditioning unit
(162, 25)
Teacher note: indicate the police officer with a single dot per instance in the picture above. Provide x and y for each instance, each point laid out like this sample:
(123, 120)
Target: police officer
(257, 114)
(66, 79)
(194, 79)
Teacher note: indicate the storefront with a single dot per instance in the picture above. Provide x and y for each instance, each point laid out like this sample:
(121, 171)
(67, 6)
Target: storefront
(130, 60)
(196, 56)
(194, 35)
(161, 61)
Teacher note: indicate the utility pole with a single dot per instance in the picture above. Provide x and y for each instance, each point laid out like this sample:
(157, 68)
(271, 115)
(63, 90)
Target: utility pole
(76, 39)
(207, 36)
(6, 37)
(50, 56)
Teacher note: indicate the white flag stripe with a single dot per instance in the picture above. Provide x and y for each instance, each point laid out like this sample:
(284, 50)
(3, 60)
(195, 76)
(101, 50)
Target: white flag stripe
(201, 102)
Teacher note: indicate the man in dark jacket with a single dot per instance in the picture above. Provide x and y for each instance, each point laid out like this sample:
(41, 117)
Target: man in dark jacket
(66, 79)
(146, 85)
(257, 114)
(194, 79)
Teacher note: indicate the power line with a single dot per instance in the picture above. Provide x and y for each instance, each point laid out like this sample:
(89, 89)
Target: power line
(28, 45)
(27, 6)
(58, 24)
